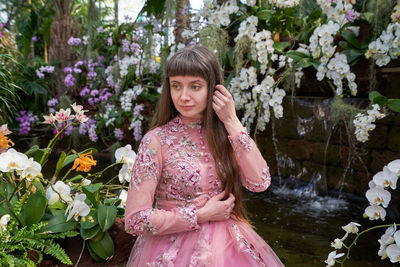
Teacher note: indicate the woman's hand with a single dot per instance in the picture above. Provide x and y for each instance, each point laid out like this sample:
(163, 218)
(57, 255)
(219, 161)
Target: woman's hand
(224, 107)
(216, 209)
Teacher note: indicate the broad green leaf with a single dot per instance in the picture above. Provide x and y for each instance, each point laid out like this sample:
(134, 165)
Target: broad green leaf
(106, 216)
(92, 192)
(87, 224)
(281, 46)
(265, 14)
(89, 233)
(39, 153)
(60, 162)
(351, 38)
(32, 150)
(103, 248)
(34, 209)
(380, 100)
(77, 177)
(58, 223)
(94, 255)
(373, 94)
(394, 104)
(353, 56)
(368, 16)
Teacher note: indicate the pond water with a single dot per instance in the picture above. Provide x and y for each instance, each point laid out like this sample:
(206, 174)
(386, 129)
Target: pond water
(300, 226)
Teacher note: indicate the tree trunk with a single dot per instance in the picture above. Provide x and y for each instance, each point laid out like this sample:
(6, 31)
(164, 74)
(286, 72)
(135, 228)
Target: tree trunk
(182, 18)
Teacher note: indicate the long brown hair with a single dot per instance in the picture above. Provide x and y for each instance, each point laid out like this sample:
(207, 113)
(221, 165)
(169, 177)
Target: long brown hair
(201, 62)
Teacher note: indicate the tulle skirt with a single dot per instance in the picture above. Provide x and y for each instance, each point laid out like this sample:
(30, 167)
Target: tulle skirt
(227, 243)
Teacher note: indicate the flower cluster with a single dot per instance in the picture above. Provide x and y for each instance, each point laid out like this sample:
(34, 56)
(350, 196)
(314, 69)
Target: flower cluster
(221, 16)
(396, 13)
(65, 116)
(126, 156)
(284, 3)
(25, 120)
(14, 161)
(377, 194)
(61, 192)
(74, 41)
(247, 27)
(5, 143)
(44, 69)
(51, 104)
(386, 46)
(340, 11)
(364, 122)
(379, 198)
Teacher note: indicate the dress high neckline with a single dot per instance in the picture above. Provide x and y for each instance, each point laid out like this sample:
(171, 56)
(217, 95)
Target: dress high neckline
(191, 122)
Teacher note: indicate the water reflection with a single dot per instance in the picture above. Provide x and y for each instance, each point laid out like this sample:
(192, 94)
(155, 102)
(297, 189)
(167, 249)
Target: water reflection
(300, 225)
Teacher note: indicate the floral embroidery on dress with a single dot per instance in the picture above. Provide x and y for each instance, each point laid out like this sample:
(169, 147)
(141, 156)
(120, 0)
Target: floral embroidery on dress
(245, 246)
(168, 257)
(243, 141)
(190, 214)
(140, 222)
(145, 166)
(264, 184)
(202, 250)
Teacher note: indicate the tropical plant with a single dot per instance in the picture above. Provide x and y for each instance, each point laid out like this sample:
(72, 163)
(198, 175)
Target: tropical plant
(47, 208)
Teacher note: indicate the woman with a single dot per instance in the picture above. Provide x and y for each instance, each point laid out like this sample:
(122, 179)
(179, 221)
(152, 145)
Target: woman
(184, 201)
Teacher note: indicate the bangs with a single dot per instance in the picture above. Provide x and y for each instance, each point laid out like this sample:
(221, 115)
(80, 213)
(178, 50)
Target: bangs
(187, 63)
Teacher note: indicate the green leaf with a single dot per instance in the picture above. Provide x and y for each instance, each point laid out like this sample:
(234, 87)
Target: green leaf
(302, 60)
(281, 46)
(92, 192)
(103, 248)
(87, 224)
(89, 233)
(368, 16)
(351, 38)
(394, 104)
(34, 209)
(32, 150)
(353, 56)
(265, 14)
(373, 94)
(60, 162)
(39, 153)
(58, 223)
(77, 177)
(106, 216)
(380, 100)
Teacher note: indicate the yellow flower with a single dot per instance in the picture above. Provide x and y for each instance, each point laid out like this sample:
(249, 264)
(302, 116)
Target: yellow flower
(85, 162)
(158, 59)
(5, 142)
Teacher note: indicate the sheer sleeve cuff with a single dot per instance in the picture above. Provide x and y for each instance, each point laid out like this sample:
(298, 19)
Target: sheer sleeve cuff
(190, 214)
(140, 223)
(241, 141)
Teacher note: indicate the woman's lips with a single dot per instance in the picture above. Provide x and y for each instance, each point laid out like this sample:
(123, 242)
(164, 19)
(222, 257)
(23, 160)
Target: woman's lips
(186, 107)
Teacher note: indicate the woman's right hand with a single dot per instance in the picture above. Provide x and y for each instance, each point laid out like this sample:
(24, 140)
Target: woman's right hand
(216, 209)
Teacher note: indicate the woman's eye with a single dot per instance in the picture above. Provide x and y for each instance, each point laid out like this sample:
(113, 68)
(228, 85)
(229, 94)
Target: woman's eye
(196, 87)
(175, 86)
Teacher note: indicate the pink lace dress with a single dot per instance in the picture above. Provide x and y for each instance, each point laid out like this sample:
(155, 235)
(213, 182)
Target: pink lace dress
(174, 176)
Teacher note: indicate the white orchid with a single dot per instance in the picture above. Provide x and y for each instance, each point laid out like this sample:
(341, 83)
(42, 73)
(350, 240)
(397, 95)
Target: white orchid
(125, 173)
(378, 195)
(3, 222)
(393, 250)
(375, 212)
(331, 258)
(123, 153)
(337, 243)
(13, 160)
(394, 166)
(386, 178)
(351, 228)
(59, 191)
(4, 129)
(64, 115)
(78, 207)
(123, 196)
(385, 240)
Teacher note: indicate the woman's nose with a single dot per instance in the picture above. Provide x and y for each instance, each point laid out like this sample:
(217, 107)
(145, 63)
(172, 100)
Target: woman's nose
(185, 95)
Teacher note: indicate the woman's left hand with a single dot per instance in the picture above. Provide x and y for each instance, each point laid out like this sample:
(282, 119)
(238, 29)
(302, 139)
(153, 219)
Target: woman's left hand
(224, 107)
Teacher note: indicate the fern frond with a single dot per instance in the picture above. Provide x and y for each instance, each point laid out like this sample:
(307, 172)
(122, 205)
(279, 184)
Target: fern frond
(57, 252)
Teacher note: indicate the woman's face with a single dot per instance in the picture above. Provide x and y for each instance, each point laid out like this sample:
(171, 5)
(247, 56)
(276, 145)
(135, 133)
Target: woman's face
(189, 95)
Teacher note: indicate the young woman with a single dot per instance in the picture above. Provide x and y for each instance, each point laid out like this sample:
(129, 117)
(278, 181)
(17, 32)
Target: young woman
(184, 201)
